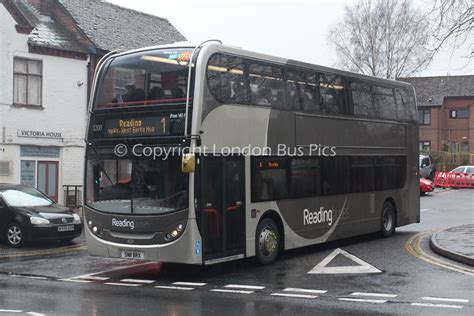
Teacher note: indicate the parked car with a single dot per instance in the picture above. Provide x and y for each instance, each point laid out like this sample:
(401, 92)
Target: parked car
(427, 167)
(464, 169)
(26, 214)
(426, 186)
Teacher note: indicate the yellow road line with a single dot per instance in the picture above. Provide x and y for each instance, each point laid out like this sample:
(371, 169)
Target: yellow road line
(43, 252)
(412, 245)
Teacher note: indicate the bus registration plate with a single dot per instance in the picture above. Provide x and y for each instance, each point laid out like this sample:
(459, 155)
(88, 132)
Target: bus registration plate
(137, 255)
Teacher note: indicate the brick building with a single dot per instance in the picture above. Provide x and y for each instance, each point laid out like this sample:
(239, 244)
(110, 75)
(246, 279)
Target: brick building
(445, 112)
(48, 51)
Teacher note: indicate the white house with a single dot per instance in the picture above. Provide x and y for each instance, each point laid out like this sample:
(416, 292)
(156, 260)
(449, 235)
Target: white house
(48, 50)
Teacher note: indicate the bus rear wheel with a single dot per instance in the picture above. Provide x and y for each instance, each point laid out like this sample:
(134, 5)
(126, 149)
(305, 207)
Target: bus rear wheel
(388, 219)
(267, 241)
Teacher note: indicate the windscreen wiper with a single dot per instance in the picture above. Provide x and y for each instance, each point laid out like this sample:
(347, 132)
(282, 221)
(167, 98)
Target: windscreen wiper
(99, 161)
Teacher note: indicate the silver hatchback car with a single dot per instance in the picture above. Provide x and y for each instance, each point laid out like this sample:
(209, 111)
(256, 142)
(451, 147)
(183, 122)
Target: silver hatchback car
(427, 167)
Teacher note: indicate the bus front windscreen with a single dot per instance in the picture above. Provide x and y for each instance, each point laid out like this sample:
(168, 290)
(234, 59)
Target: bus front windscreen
(135, 186)
(153, 77)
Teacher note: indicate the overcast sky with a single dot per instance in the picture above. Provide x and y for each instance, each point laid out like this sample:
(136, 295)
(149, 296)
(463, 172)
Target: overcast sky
(295, 29)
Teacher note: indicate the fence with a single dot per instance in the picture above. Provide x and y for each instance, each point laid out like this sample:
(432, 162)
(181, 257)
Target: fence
(72, 195)
(454, 180)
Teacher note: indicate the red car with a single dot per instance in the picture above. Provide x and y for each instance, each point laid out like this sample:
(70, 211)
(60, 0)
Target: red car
(426, 186)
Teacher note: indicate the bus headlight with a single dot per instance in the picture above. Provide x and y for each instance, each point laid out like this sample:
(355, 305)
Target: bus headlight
(174, 232)
(94, 228)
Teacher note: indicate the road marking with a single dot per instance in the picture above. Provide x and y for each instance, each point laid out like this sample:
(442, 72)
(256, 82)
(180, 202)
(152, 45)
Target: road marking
(249, 287)
(35, 314)
(362, 300)
(294, 295)
(416, 251)
(425, 210)
(292, 289)
(233, 291)
(35, 253)
(29, 277)
(190, 283)
(122, 284)
(166, 287)
(362, 267)
(437, 305)
(138, 281)
(113, 270)
(444, 299)
(374, 294)
(11, 311)
(90, 277)
(76, 280)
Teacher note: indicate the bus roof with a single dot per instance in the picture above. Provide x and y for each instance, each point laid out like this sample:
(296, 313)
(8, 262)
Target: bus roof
(276, 59)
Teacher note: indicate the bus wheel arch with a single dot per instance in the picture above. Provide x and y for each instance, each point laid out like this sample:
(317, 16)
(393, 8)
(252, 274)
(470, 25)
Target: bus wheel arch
(388, 218)
(269, 230)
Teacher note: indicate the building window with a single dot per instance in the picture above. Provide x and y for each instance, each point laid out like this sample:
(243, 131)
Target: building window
(459, 113)
(464, 147)
(424, 117)
(27, 81)
(425, 145)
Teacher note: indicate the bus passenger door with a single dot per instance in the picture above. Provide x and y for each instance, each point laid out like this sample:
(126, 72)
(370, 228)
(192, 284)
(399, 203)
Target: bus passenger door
(222, 207)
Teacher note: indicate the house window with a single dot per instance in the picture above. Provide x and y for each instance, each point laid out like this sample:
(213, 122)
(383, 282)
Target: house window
(27, 81)
(425, 145)
(459, 113)
(424, 117)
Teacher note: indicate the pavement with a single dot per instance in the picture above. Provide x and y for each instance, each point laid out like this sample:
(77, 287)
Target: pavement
(456, 243)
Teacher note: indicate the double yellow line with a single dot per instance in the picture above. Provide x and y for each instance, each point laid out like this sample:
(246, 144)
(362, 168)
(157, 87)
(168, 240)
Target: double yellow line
(413, 246)
(35, 253)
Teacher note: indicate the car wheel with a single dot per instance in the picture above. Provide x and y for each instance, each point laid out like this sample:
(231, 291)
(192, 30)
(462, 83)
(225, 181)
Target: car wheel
(422, 192)
(14, 235)
(267, 241)
(388, 219)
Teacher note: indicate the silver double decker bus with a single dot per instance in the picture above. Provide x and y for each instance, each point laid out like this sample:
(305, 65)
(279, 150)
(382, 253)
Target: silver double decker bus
(210, 153)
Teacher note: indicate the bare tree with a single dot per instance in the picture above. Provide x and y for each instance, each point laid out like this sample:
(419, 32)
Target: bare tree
(384, 38)
(453, 22)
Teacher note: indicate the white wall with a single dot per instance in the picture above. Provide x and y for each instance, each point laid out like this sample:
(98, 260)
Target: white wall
(63, 106)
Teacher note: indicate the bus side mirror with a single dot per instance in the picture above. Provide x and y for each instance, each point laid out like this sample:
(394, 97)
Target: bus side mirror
(188, 163)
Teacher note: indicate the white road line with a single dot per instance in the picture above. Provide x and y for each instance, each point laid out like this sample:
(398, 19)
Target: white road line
(249, 287)
(35, 314)
(122, 284)
(11, 311)
(444, 299)
(115, 269)
(294, 295)
(182, 288)
(233, 291)
(190, 283)
(76, 280)
(90, 277)
(362, 300)
(293, 289)
(425, 210)
(138, 281)
(29, 277)
(374, 294)
(437, 305)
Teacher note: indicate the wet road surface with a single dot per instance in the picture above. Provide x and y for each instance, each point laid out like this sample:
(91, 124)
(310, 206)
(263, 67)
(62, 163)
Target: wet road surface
(72, 283)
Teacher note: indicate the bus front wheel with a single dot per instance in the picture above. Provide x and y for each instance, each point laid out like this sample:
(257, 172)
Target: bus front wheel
(267, 241)
(388, 219)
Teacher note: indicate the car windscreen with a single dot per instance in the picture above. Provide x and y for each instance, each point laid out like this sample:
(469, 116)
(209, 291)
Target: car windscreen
(25, 197)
